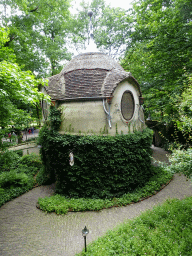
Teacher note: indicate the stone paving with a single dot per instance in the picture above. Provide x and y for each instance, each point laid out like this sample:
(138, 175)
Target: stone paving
(27, 231)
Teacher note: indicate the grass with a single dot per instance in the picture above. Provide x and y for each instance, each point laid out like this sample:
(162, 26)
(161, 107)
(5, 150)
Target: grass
(164, 231)
(61, 205)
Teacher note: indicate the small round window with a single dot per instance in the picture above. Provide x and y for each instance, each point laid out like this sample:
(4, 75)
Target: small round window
(127, 105)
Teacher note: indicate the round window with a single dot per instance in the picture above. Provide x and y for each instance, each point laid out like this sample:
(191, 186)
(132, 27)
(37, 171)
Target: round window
(127, 105)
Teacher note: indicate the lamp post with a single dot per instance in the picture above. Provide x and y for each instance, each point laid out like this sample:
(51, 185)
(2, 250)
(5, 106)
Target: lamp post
(85, 232)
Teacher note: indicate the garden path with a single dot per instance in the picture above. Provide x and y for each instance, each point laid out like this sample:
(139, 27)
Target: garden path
(27, 231)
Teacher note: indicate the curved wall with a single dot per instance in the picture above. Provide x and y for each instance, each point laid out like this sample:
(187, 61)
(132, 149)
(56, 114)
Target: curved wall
(89, 117)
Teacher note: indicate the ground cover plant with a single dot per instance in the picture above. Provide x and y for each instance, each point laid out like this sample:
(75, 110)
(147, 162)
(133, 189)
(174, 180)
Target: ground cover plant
(165, 230)
(18, 174)
(61, 204)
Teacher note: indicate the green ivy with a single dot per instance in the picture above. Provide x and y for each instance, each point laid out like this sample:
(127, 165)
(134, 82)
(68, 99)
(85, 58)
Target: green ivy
(55, 118)
(105, 166)
(61, 204)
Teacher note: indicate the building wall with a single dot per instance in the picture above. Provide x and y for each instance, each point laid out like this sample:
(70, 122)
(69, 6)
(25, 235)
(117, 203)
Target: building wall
(119, 124)
(89, 117)
(83, 117)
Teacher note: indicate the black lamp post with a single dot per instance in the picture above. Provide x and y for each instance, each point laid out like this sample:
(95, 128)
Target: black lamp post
(85, 232)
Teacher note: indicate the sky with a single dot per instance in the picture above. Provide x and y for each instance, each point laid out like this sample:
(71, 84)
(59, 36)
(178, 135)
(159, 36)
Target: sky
(125, 4)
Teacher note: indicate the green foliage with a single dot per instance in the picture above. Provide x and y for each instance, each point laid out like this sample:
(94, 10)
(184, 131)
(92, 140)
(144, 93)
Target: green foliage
(43, 177)
(37, 33)
(111, 27)
(32, 160)
(121, 163)
(184, 121)
(158, 54)
(8, 160)
(61, 205)
(13, 179)
(55, 118)
(165, 230)
(19, 152)
(17, 174)
(5, 53)
(181, 162)
(17, 88)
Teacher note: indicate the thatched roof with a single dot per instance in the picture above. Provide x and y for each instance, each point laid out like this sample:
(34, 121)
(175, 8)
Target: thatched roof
(88, 76)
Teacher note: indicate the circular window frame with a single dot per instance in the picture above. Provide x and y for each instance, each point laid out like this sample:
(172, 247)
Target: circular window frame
(130, 92)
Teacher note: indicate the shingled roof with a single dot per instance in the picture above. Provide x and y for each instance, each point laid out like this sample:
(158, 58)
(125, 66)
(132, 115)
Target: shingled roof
(88, 76)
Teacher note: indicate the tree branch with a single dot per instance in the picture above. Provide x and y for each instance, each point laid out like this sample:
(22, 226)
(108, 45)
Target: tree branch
(34, 10)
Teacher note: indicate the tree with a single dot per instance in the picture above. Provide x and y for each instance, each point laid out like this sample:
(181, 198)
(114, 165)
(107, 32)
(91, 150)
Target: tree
(19, 92)
(37, 33)
(111, 27)
(159, 53)
(113, 31)
(184, 121)
(16, 87)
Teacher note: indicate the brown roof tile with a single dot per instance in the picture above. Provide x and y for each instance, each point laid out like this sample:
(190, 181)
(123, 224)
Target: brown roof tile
(89, 75)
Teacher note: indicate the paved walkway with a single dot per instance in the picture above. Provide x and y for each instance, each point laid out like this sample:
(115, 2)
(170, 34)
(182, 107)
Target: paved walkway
(27, 231)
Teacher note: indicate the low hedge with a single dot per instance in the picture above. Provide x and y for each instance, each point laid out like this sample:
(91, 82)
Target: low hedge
(105, 166)
(62, 205)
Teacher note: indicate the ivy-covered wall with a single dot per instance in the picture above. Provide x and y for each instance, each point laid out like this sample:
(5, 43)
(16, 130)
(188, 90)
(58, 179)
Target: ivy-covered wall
(104, 166)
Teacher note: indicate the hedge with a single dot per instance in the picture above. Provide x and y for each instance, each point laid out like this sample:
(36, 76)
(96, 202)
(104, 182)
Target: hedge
(104, 166)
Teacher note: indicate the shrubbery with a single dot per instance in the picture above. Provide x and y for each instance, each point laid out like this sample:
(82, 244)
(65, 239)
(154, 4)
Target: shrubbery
(8, 160)
(105, 166)
(181, 162)
(17, 174)
(13, 179)
(61, 205)
(31, 160)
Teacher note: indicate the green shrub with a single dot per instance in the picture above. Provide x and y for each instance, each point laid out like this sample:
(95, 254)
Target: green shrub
(42, 177)
(181, 162)
(13, 192)
(30, 171)
(61, 204)
(12, 178)
(32, 160)
(8, 160)
(55, 118)
(105, 166)
(165, 230)
(19, 152)
(17, 174)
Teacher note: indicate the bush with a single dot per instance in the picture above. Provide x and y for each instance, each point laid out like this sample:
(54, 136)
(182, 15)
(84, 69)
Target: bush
(61, 204)
(12, 179)
(19, 152)
(105, 166)
(181, 162)
(32, 160)
(8, 160)
(42, 177)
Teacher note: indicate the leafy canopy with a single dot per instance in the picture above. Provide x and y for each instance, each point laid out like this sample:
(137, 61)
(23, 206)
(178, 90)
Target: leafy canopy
(159, 53)
(18, 89)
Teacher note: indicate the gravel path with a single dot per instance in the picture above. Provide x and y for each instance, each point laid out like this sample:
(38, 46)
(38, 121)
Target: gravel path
(27, 231)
